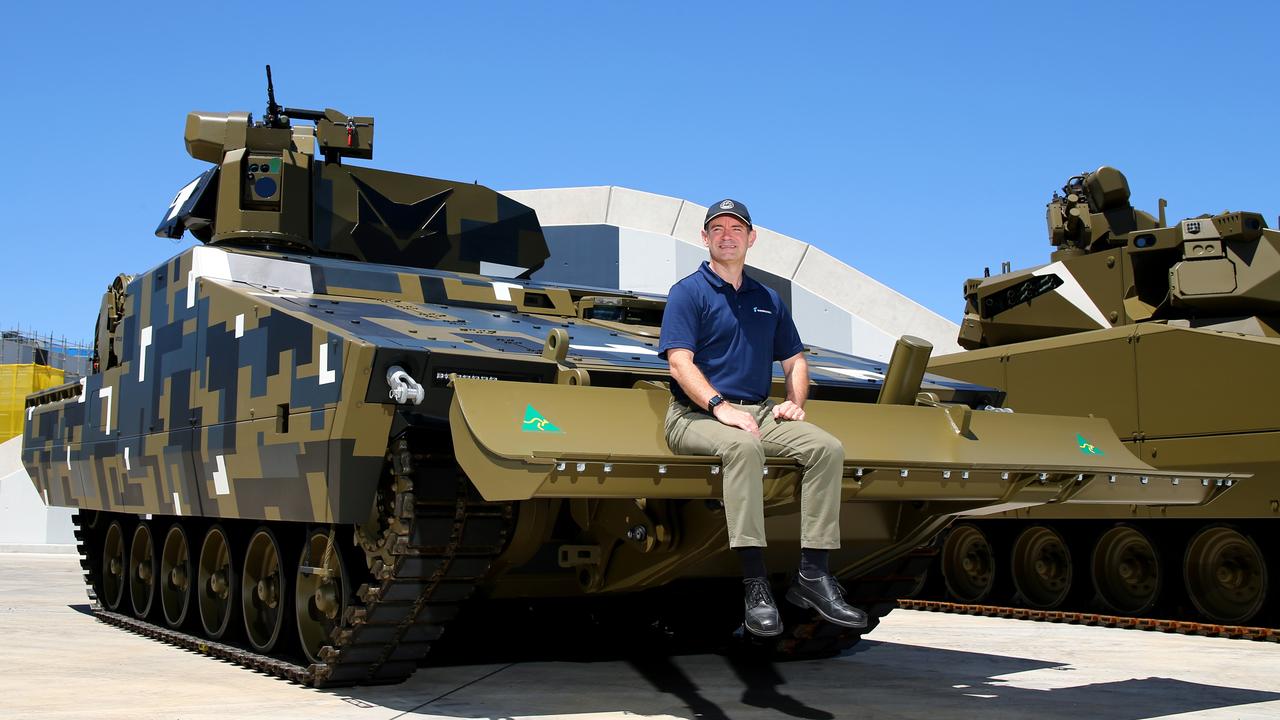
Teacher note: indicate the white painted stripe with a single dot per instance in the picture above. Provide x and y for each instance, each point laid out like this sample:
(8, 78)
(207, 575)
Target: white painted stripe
(851, 372)
(127, 465)
(181, 199)
(1072, 292)
(326, 375)
(502, 290)
(220, 484)
(83, 390)
(240, 325)
(144, 342)
(29, 411)
(284, 296)
(206, 262)
(499, 270)
(177, 504)
(68, 457)
(46, 495)
(615, 348)
(217, 264)
(269, 272)
(106, 393)
(211, 262)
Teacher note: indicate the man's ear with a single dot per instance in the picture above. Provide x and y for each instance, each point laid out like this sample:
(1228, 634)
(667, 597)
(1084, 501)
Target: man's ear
(706, 242)
(751, 237)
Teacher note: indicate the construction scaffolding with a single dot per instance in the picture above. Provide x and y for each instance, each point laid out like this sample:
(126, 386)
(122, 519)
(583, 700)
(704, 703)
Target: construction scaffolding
(30, 363)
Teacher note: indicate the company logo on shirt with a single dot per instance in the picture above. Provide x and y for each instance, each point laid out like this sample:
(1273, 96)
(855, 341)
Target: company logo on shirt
(766, 311)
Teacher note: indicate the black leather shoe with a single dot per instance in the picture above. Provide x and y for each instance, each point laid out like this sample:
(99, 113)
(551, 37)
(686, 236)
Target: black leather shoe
(762, 613)
(826, 596)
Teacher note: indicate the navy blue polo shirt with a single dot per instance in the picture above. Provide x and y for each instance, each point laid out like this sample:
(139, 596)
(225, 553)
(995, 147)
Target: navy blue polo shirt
(735, 335)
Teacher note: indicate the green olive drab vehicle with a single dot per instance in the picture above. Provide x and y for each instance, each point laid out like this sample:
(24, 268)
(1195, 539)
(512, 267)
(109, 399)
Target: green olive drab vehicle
(310, 439)
(1172, 333)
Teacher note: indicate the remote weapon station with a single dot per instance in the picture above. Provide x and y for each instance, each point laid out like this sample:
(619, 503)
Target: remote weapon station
(341, 418)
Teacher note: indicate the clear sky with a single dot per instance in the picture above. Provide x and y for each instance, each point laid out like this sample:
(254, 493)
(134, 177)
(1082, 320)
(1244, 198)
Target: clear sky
(918, 142)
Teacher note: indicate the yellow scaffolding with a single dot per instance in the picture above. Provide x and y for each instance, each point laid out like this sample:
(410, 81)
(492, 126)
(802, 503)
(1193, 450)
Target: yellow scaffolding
(16, 383)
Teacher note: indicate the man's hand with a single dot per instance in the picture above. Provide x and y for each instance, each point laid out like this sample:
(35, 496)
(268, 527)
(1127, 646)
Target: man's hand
(733, 417)
(787, 410)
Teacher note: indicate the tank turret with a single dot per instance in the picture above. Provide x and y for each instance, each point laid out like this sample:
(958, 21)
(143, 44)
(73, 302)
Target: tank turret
(1116, 265)
(280, 185)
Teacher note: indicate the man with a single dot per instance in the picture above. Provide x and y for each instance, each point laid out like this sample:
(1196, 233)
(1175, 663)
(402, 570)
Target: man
(721, 333)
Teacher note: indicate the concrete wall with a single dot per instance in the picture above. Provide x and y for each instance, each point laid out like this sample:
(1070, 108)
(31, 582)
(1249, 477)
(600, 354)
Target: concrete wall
(632, 240)
(25, 523)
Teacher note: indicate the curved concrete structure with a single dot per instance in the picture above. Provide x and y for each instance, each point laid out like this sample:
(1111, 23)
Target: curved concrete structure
(26, 523)
(627, 239)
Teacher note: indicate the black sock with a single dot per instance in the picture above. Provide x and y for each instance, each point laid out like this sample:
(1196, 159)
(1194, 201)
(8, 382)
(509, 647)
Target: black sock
(813, 562)
(752, 562)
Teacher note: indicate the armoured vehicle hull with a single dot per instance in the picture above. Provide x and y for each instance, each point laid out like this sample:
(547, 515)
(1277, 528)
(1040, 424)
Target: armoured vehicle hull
(1184, 380)
(309, 442)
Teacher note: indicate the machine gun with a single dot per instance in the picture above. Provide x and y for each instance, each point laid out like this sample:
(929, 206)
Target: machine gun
(339, 135)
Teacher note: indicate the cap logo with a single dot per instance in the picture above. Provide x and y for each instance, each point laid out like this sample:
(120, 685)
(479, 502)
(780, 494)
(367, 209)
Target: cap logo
(726, 205)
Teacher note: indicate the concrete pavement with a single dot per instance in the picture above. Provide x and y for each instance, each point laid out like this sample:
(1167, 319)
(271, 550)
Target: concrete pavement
(56, 661)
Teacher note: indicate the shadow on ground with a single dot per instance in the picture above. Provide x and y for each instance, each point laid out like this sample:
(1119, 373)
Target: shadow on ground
(582, 666)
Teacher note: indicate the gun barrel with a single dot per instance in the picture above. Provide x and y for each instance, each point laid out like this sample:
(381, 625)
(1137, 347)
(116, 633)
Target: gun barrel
(301, 114)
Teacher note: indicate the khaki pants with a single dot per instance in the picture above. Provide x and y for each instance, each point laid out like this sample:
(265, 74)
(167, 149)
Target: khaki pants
(692, 431)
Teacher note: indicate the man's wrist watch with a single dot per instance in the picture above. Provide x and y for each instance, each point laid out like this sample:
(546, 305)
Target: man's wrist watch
(714, 402)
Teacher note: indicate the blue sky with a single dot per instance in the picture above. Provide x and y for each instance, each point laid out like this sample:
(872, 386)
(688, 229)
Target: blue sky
(918, 142)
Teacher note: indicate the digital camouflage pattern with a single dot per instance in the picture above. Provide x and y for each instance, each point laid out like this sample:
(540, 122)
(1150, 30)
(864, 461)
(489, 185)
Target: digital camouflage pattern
(222, 393)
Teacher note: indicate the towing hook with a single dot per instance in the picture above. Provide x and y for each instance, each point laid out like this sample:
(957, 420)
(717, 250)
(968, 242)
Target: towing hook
(403, 387)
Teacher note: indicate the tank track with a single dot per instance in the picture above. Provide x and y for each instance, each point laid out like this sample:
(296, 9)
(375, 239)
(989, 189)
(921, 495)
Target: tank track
(436, 544)
(1182, 627)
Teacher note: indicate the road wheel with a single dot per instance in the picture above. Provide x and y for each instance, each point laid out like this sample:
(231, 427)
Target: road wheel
(1042, 569)
(1126, 571)
(216, 583)
(968, 564)
(1226, 575)
(175, 577)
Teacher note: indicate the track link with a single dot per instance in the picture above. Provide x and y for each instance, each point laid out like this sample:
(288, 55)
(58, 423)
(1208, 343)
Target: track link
(1079, 618)
(437, 542)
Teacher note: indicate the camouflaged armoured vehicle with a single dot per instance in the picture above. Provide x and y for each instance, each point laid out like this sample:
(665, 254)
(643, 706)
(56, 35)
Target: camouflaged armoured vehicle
(311, 438)
(1172, 333)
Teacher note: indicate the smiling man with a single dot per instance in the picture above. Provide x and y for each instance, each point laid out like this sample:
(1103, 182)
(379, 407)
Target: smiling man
(721, 333)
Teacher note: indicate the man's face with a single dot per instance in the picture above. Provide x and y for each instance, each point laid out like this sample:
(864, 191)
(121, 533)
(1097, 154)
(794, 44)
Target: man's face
(728, 238)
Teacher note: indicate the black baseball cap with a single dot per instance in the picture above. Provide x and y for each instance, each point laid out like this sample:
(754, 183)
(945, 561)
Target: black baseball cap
(727, 207)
